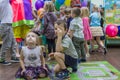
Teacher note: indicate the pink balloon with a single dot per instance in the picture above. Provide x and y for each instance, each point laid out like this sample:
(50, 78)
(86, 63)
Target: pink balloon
(111, 30)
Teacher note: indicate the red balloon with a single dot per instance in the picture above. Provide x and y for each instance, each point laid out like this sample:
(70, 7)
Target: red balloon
(111, 30)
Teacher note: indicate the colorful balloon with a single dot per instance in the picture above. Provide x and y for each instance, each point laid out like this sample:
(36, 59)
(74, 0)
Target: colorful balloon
(84, 3)
(67, 2)
(111, 30)
(57, 6)
(118, 30)
(60, 1)
(39, 4)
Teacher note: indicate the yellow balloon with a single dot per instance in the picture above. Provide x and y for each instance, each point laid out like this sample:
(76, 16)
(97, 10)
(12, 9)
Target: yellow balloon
(67, 2)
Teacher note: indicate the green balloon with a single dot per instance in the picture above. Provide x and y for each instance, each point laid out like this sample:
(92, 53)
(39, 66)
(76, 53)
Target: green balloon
(57, 5)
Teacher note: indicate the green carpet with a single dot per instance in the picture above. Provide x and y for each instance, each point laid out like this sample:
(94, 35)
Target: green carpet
(99, 70)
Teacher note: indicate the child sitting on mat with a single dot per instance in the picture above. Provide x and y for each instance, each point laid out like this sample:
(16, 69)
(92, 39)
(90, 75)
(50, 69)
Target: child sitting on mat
(32, 61)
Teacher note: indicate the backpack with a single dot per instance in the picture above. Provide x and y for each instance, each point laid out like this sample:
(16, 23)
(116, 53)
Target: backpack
(48, 30)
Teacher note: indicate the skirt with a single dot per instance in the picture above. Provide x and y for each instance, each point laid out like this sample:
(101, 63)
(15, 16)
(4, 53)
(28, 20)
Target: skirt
(33, 72)
(21, 31)
(96, 31)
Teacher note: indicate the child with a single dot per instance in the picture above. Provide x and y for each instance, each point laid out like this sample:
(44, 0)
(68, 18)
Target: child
(49, 19)
(66, 54)
(102, 25)
(62, 14)
(67, 12)
(87, 32)
(32, 61)
(96, 30)
(76, 34)
(6, 33)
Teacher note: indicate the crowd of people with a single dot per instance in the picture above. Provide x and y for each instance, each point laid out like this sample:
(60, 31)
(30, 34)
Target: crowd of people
(68, 36)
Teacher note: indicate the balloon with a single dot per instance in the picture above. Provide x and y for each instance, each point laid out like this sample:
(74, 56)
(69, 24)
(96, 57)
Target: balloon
(60, 1)
(67, 2)
(57, 5)
(111, 30)
(118, 30)
(39, 4)
(40, 12)
(84, 3)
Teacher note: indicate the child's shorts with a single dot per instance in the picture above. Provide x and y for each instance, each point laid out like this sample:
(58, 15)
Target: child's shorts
(71, 62)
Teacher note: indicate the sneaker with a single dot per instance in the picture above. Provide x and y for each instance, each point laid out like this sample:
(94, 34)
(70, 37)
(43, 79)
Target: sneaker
(63, 74)
(87, 55)
(5, 63)
(14, 60)
(105, 51)
(83, 60)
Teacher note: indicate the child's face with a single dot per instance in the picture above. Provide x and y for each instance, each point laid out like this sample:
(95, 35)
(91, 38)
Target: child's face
(72, 15)
(31, 38)
(68, 15)
(62, 10)
(60, 28)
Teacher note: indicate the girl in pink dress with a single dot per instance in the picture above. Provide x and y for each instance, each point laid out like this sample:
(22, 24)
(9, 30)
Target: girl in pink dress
(87, 32)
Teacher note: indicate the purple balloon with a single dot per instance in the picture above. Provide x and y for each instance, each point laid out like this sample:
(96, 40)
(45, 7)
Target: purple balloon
(84, 3)
(39, 4)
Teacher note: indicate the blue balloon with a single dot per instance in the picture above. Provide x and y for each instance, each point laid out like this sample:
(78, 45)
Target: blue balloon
(60, 1)
(118, 30)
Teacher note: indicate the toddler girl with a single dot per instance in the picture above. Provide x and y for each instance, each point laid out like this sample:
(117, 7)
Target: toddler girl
(87, 32)
(32, 61)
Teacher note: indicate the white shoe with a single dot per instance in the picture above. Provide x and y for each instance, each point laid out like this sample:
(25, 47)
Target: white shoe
(87, 55)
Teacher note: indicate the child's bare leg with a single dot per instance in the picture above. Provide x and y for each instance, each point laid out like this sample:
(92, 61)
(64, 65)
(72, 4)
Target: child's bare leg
(28, 78)
(42, 75)
(92, 44)
(87, 49)
(60, 58)
(57, 68)
(100, 43)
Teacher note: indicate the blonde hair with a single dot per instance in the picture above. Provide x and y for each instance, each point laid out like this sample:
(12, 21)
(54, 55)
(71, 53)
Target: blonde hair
(67, 11)
(84, 12)
(37, 39)
(96, 8)
(49, 6)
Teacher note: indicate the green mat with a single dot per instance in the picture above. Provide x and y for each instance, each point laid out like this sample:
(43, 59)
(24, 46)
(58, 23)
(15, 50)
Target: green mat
(99, 70)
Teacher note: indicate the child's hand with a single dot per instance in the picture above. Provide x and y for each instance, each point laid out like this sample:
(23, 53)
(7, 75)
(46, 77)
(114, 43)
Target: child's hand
(17, 55)
(59, 33)
(51, 54)
(23, 71)
(45, 68)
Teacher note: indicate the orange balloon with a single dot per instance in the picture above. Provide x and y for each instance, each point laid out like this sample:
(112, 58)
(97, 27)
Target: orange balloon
(40, 12)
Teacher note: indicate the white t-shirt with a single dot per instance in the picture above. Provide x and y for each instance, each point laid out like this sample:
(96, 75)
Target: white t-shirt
(6, 13)
(77, 25)
(32, 56)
